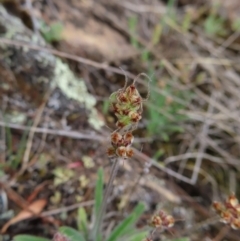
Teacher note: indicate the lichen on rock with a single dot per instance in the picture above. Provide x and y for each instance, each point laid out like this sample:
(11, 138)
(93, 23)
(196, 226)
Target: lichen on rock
(37, 71)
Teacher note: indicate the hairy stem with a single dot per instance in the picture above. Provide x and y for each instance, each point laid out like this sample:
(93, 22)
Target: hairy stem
(107, 193)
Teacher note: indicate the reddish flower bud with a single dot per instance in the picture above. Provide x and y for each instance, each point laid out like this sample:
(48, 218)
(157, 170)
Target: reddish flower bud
(134, 116)
(128, 138)
(116, 108)
(120, 124)
(116, 137)
(129, 152)
(232, 200)
(122, 97)
(226, 216)
(131, 90)
(135, 99)
(156, 221)
(168, 221)
(111, 151)
(235, 224)
(238, 209)
(218, 206)
(121, 151)
(162, 214)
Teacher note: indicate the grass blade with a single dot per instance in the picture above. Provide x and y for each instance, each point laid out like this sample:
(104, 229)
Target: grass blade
(71, 233)
(124, 227)
(29, 238)
(82, 221)
(98, 197)
(98, 192)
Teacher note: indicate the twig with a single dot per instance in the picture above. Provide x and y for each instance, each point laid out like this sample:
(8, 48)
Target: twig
(89, 62)
(71, 134)
(170, 172)
(29, 7)
(221, 235)
(203, 145)
(67, 209)
(65, 55)
(32, 132)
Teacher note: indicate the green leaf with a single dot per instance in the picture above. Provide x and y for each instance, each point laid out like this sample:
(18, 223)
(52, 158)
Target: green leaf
(179, 239)
(71, 233)
(132, 24)
(214, 25)
(124, 227)
(98, 192)
(236, 25)
(52, 32)
(105, 107)
(82, 221)
(156, 34)
(29, 238)
(98, 201)
(186, 22)
(138, 236)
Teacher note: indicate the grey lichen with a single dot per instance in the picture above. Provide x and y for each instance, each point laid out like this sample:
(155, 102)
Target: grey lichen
(46, 70)
(75, 88)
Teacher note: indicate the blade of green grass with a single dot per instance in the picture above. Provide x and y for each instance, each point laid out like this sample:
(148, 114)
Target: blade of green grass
(98, 192)
(82, 221)
(123, 227)
(98, 197)
(132, 25)
(29, 238)
(71, 233)
(138, 236)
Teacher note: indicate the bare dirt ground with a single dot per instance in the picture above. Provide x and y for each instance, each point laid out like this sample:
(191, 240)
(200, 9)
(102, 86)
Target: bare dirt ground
(61, 60)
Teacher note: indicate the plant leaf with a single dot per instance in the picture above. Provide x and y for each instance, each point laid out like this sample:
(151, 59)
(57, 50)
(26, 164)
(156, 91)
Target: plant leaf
(179, 239)
(98, 197)
(82, 221)
(71, 233)
(29, 238)
(124, 227)
(98, 192)
(138, 236)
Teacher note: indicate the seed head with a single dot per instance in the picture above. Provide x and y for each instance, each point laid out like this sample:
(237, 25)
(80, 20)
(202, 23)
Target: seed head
(135, 99)
(169, 221)
(226, 216)
(121, 151)
(132, 90)
(218, 207)
(120, 124)
(128, 138)
(116, 137)
(232, 201)
(235, 224)
(134, 116)
(122, 97)
(129, 152)
(111, 151)
(156, 221)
